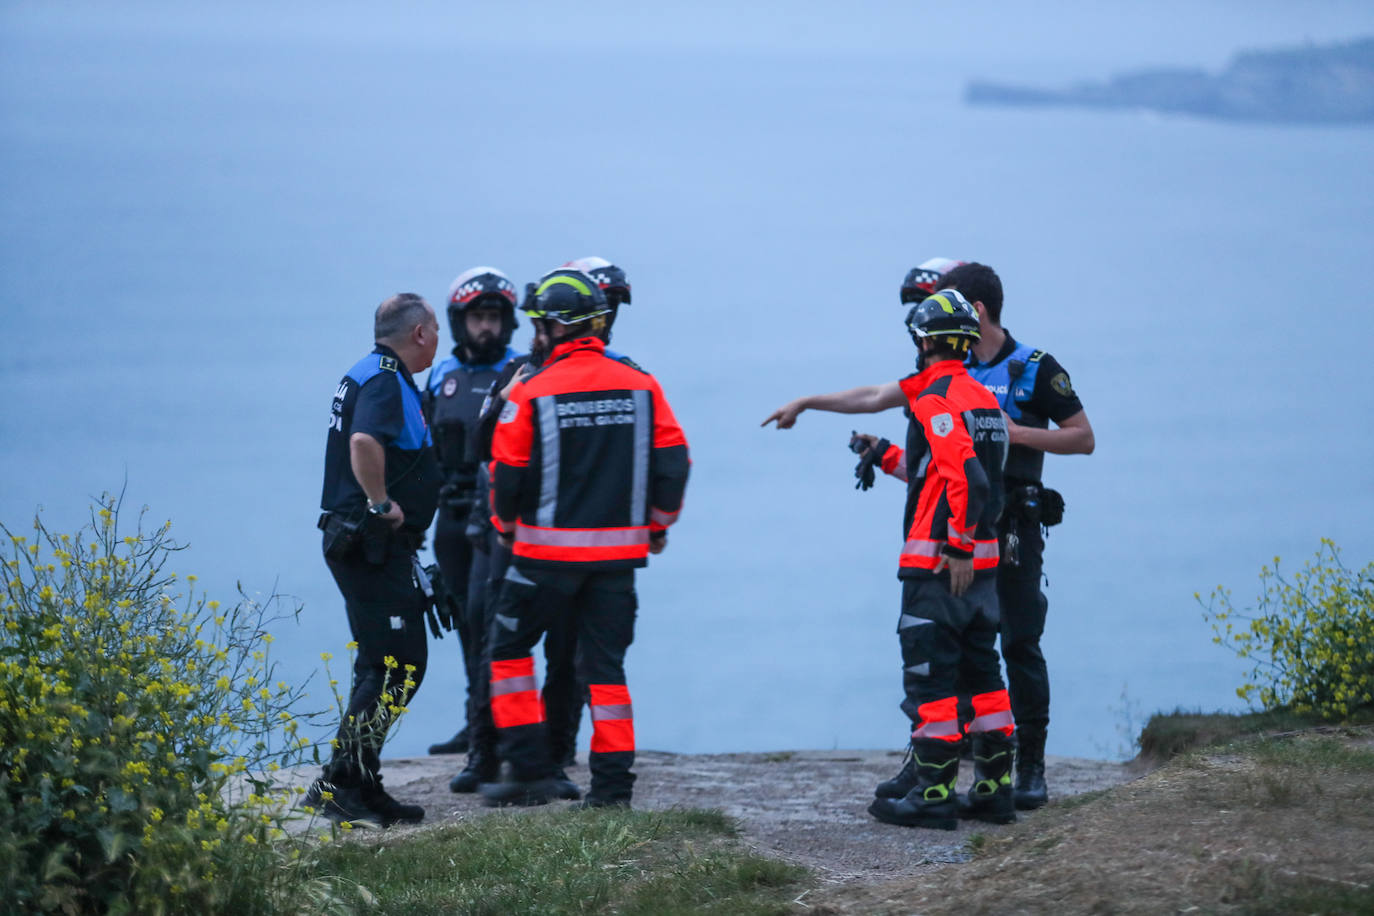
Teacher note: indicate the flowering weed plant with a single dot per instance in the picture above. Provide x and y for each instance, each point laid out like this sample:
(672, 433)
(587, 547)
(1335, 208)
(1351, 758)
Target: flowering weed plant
(140, 725)
(1311, 637)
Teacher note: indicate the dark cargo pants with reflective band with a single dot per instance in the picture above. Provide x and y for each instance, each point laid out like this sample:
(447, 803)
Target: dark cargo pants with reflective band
(947, 641)
(600, 607)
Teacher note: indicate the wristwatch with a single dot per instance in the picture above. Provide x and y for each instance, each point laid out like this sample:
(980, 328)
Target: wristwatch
(381, 508)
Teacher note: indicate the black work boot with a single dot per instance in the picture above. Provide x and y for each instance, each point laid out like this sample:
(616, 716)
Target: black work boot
(902, 783)
(563, 786)
(991, 799)
(483, 766)
(458, 744)
(931, 802)
(340, 803)
(1031, 791)
(389, 809)
(518, 792)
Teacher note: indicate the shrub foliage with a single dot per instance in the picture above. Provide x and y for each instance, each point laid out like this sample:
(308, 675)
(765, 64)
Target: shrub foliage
(1309, 637)
(139, 722)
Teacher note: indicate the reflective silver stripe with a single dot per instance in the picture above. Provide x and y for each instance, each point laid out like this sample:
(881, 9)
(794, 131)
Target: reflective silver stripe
(659, 517)
(921, 670)
(992, 721)
(906, 621)
(937, 729)
(512, 685)
(615, 711)
(516, 575)
(639, 477)
(510, 623)
(921, 467)
(921, 548)
(549, 440)
(581, 537)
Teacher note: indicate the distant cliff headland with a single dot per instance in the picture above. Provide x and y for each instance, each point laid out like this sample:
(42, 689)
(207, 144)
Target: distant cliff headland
(1330, 84)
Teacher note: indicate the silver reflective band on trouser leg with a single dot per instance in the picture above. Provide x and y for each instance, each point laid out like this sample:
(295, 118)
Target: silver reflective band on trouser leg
(549, 441)
(937, 729)
(512, 685)
(639, 478)
(581, 537)
(907, 621)
(619, 711)
(992, 722)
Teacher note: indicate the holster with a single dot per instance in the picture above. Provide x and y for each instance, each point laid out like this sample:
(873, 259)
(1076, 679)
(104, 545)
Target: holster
(342, 535)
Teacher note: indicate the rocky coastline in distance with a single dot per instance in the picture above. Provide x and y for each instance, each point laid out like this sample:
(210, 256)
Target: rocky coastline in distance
(1328, 84)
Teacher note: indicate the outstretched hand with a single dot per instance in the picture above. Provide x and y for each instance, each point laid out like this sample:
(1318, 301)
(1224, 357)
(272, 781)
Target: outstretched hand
(786, 415)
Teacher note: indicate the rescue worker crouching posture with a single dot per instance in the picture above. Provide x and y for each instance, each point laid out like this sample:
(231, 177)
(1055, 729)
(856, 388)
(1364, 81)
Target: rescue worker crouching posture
(947, 626)
(381, 487)
(590, 467)
(481, 317)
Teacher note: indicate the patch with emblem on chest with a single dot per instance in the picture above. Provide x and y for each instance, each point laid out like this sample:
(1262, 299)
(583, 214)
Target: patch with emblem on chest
(450, 386)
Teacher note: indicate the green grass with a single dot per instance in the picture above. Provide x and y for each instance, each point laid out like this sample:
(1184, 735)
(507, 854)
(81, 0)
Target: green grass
(626, 862)
(1168, 734)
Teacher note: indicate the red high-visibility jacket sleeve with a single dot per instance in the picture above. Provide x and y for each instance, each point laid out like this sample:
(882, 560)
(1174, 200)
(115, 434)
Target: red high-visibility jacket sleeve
(893, 462)
(669, 464)
(953, 458)
(510, 452)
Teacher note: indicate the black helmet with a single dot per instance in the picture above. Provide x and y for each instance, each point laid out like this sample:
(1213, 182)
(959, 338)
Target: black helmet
(610, 278)
(568, 296)
(946, 316)
(920, 280)
(482, 287)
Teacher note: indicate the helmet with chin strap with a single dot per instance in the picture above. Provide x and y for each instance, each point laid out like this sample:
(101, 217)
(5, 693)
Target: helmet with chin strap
(481, 287)
(921, 280)
(946, 317)
(569, 296)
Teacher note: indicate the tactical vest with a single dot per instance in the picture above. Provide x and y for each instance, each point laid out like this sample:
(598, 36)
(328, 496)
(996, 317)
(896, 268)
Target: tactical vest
(1012, 382)
(456, 392)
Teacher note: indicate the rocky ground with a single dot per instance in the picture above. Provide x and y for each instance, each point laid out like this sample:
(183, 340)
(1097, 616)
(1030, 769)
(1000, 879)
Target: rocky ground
(807, 807)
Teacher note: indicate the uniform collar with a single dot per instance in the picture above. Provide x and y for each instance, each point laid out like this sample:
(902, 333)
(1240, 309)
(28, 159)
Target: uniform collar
(939, 370)
(401, 369)
(1008, 348)
(595, 344)
(478, 367)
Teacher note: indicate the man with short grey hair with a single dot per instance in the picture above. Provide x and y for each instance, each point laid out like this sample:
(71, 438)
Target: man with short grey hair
(381, 487)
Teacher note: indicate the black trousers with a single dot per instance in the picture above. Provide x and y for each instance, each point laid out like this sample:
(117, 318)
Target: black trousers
(948, 643)
(1024, 607)
(598, 609)
(564, 694)
(454, 554)
(386, 617)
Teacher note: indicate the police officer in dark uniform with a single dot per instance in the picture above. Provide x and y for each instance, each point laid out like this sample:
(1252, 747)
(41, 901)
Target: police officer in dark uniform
(381, 486)
(1034, 391)
(481, 317)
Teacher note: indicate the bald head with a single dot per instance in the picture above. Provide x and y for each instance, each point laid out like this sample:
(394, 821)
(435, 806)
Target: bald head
(407, 325)
(398, 316)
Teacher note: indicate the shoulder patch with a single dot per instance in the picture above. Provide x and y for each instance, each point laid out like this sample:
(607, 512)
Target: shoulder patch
(509, 412)
(1061, 384)
(388, 363)
(942, 424)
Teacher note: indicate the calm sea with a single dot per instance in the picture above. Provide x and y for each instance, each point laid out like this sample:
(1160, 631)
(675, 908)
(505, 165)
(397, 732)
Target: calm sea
(199, 210)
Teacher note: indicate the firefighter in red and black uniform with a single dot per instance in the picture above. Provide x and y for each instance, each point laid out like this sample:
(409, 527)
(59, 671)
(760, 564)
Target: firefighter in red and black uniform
(589, 471)
(947, 627)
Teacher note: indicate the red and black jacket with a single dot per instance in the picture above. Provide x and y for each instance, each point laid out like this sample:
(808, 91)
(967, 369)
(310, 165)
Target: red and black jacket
(956, 450)
(588, 459)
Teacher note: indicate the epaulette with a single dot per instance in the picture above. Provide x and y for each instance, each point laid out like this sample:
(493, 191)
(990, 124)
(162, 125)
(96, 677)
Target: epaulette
(388, 363)
(1035, 357)
(625, 360)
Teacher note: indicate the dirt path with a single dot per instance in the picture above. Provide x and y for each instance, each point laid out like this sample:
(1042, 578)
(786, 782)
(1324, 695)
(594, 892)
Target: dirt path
(807, 807)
